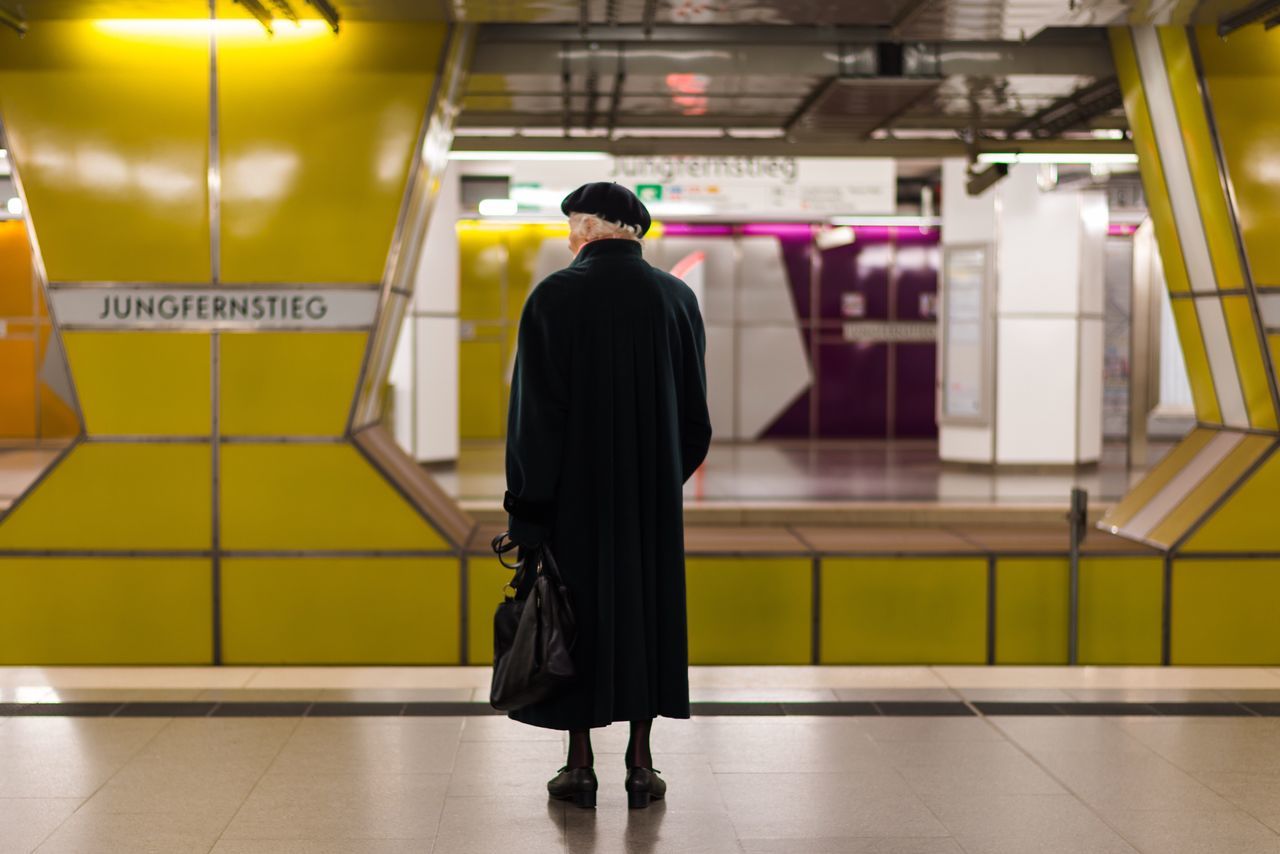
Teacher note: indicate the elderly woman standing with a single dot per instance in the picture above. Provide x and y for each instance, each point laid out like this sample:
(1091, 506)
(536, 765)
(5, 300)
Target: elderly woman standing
(608, 419)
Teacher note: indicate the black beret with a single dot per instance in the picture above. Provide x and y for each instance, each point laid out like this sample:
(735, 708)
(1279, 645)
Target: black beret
(610, 201)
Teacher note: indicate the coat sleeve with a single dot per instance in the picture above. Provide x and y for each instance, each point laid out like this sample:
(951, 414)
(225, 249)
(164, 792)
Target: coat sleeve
(536, 421)
(695, 420)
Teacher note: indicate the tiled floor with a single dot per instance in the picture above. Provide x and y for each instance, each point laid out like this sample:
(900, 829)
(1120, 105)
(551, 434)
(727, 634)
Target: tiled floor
(838, 471)
(809, 785)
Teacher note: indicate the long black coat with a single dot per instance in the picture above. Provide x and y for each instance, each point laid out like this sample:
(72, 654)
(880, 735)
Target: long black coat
(608, 419)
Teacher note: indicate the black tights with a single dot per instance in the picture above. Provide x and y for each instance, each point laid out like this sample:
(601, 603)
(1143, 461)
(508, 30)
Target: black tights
(638, 753)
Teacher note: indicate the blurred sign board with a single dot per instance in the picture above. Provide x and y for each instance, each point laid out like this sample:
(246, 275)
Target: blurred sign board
(966, 364)
(709, 186)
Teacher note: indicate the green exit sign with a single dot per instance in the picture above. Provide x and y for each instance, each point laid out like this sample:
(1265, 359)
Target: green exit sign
(649, 192)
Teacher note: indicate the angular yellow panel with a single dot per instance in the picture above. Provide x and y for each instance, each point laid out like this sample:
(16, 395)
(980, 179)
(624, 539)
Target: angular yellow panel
(1246, 522)
(108, 124)
(485, 580)
(1248, 354)
(1203, 393)
(1031, 611)
(749, 610)
(1120, 610)
(1201, 157)
(314, 496)
(1156, 479)
(17, 285)
(1149, 166)
(315, 139)
(340, 610)
(93, 610)
(1242, 75)
(143, 383)
(1209, 490)
(119, 496)
(287, 383)
(17, 388)
(1224, 612)
(904, 611)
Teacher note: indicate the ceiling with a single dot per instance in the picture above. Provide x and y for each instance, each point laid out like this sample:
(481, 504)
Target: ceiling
(898, 77)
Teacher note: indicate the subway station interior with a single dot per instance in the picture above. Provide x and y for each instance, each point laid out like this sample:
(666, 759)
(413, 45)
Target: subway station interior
(984, 557)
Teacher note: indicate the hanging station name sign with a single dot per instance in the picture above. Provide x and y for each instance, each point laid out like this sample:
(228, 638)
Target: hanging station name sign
(213, 308)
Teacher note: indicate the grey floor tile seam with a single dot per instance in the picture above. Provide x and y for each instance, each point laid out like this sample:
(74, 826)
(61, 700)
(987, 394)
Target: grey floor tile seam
(266, 769)
(1194, 776)
(453, 767)
(1071, 791)
(103, 784)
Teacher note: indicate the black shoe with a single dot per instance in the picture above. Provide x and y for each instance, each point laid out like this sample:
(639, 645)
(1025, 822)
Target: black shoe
(643, 785)
(574, 784)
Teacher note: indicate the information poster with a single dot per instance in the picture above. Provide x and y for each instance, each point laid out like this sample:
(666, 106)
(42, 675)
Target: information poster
(966, 334)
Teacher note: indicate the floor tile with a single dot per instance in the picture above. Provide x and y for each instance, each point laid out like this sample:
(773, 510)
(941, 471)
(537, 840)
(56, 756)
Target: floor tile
(320, 846)
(1023, 823)
(484, 825)
(383, 745)
(1192, 832)
(823, 805)
(613, 829)
(853, 845)
(1130, 781)
(25, 822)
(341, 806)
(133, 833)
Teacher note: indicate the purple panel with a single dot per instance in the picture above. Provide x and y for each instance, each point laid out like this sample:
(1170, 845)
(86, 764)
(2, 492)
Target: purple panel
(861, 267)
(915, 391)
(852, 390)
(799, 263)
(917, 276)
(793, 423)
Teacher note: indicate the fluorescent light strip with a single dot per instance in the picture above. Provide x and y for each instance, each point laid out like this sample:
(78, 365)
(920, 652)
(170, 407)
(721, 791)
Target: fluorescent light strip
(1044, 157)
(528, 155)
(919, 221)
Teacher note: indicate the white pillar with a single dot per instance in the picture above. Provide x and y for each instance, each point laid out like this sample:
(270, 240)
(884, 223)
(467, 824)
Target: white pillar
(424, 372)
(1044, 375)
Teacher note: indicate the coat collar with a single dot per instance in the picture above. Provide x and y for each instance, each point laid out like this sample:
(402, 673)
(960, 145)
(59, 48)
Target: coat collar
(611, 247)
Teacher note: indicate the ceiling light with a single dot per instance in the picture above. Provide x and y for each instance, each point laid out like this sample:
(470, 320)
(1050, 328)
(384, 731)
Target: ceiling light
(499, 207)
(326, 11)
(14, 206)
(528, 155)
(918, 221)
(1007, 157)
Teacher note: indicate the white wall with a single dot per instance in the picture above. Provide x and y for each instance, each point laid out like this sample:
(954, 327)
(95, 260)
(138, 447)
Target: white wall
(424, 373)
(1048, 322)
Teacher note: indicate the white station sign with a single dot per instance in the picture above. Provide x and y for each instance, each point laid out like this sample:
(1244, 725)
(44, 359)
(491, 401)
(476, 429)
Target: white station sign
(160, 307)
(717, 186)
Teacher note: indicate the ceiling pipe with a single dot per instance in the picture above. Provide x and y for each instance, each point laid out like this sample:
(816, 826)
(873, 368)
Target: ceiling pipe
(13, 22)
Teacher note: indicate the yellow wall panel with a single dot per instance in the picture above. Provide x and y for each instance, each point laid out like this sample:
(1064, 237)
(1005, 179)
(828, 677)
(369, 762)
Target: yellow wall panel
(340, 610)
(749, 610)
(1203, 393)
(1031, 611)
(485, 580)
(16, 277)
(314, 496)
(119, 496)
(1242, 76)
(17, 388)
(1120, 610)
(481, 390)
(482, 259)
(904, 611)
(106, 611)
(1156, 479)
(115, 193)
(315, 141)
(1248, 354)
(143, 383)
(1247, 521)
(1149, 166)
(288, 383)
(1202, 160)
(1200, 499)
(1224, 612)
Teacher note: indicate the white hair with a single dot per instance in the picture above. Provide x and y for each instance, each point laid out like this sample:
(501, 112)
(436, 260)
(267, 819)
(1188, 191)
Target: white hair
(591, 227)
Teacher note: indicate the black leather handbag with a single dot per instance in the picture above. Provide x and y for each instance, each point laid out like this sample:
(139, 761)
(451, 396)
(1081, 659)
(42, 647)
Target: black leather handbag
(533, 631)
